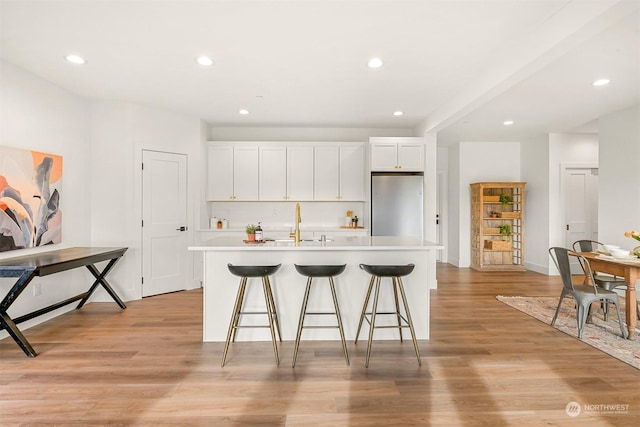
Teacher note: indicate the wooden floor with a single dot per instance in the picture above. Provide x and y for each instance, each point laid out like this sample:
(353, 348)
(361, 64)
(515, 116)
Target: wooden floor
(486, 364)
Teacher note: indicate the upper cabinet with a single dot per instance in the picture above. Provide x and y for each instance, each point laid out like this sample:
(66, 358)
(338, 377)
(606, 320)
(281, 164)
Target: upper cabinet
(339, 173)
(403, 154)
(286, 173)
(232, 172)
(300, 173)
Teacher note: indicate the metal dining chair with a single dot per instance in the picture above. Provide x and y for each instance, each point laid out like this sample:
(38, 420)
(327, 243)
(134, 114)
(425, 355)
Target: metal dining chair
(584, 295)
(603, 280)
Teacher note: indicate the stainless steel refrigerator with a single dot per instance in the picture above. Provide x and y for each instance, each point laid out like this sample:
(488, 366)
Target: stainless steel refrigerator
(397, 204)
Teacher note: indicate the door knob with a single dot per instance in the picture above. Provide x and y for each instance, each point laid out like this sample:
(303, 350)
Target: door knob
(183, 228)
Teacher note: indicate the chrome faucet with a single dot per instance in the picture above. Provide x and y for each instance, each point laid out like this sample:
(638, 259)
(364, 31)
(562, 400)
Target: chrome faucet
(296, 234)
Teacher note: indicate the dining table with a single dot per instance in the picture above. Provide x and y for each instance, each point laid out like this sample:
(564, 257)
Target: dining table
(629, 268)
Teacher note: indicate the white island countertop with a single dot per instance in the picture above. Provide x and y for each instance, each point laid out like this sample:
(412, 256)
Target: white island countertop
(358, 243)
(220, 286)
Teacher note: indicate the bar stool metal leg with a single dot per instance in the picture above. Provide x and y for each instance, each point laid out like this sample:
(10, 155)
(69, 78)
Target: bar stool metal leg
(395, 297)
(273, 309)
(235, 316)
(267, 290)
(238, 307)
(303, 310)
(373, 321)
(364, 308)
(409, 321)
(340, 328)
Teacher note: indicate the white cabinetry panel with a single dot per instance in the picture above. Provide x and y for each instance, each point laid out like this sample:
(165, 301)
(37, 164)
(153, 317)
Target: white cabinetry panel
(300, 169)
(273, 173)
(219, 173)
(339, 173)
(245, 173)
(352, 173)
(232, 173)
(397, 154)
(326, 173)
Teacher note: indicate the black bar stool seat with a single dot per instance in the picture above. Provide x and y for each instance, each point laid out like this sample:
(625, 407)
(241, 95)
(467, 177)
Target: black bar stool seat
(312, 271)
(395, 272)
(320, 270)
(388, 270)
(254, 271)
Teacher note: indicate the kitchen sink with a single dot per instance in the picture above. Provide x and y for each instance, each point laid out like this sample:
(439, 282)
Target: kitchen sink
(301, 240)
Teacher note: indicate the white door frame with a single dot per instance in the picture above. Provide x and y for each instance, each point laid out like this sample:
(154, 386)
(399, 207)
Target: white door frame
(564, 169)
(442, 195)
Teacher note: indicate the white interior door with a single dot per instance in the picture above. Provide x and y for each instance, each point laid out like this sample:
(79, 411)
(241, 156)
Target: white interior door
(164, 226)
(581, 205)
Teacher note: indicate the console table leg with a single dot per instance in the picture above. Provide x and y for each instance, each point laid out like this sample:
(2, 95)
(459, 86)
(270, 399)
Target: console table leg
(9, 325)
(101, 280)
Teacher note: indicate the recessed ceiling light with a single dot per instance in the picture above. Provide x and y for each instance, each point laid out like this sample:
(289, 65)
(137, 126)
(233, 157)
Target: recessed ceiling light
(507, 122)
(205, 61)
(243, 112)
(375, 63)
(398, 113)
(75, 59)
(601, 82)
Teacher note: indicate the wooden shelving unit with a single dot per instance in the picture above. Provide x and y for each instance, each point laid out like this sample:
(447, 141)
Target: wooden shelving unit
(491, 250)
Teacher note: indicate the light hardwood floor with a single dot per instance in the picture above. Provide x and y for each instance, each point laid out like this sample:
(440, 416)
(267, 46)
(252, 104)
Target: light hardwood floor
(485, 364)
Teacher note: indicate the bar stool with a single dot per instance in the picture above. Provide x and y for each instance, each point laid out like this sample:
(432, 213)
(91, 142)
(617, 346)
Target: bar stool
(311, 271)
(395, 272)
(253, 271)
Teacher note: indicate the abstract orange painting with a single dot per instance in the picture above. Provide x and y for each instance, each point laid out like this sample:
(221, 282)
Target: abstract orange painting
(30, 191)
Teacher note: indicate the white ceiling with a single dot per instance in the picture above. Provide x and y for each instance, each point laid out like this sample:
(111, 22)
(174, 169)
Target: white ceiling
(456, 67)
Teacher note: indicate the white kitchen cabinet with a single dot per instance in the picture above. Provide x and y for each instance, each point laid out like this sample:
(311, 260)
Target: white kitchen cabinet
(286, 173)
(352, 173)
(300, 173)
(326, 173)
(339, 173)
(245, 173)
(397, 154)
(273, 173)
(232, 173)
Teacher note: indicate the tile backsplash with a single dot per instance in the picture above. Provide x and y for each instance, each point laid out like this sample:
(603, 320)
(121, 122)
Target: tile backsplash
(282, 214)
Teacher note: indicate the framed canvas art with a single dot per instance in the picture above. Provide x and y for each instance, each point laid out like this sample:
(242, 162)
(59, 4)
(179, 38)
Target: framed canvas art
(30, 193)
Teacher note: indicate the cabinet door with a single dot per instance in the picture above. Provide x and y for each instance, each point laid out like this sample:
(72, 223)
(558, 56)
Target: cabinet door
(245, 173)
(273, 173)
(300, 173)
(326, 173)
(219, 173)
(352, 173)
(383, 156)
(411, 157)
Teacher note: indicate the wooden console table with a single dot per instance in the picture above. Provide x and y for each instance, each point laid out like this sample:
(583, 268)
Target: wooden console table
(25, 268)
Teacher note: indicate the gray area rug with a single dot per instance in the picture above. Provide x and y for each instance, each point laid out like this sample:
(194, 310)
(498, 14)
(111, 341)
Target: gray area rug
(605, 336)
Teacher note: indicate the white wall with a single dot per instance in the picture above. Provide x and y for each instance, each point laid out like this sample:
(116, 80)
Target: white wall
(564, 150)
(619, 181)
(476, 162)
(535, 172)
(101, 144)
(38, 115)
(120, 132)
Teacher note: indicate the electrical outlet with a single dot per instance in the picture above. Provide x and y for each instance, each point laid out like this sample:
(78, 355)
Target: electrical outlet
(37, 289)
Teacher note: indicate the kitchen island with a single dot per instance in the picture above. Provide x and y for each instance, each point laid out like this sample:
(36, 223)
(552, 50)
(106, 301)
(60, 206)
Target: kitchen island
(220, 286)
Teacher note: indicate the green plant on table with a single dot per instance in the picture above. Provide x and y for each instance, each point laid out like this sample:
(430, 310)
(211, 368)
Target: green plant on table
(250, 229)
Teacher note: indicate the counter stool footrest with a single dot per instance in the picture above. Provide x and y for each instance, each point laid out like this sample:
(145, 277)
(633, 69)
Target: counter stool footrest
(322, 327)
